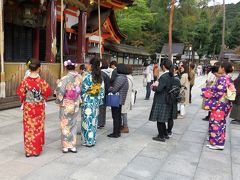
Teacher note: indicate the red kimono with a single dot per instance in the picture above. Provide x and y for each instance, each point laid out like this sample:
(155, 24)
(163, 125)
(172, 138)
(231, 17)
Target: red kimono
(33, 93)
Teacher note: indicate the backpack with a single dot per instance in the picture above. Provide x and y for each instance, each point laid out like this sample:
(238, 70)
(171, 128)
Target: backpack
(173, 94)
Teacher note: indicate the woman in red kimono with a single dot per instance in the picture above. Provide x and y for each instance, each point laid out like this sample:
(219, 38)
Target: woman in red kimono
(33, 92)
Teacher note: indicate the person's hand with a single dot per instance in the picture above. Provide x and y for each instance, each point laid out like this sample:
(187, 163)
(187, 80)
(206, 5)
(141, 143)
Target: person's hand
(156, 83)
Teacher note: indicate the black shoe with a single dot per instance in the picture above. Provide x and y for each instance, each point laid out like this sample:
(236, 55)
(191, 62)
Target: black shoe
(36, 155)
(206, 118)
(88, 145)
(27, 155)
(114, 135)
(158, 139)
(166, 137)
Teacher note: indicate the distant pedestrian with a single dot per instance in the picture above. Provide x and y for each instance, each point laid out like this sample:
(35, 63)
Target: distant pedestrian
(192, 80)
(33, 92)
(220, 106)
(185, 83)
(113, 74)
(199, 70)
(161, 111)
(127, 105)
(120, 85)
(235, 113)
(68, 98)
(106, 80)
(92, 95)
(148, 76)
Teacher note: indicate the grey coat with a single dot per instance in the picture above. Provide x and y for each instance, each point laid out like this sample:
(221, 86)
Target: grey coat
(120, 85)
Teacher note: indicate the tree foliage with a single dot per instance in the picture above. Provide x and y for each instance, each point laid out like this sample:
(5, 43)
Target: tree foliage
(194, 23)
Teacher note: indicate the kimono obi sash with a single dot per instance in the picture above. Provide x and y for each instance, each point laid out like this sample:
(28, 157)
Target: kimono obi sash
(33, 96)
(72, 94)
(94, 89)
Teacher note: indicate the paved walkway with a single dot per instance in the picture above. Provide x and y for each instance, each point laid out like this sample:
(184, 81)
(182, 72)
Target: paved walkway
(133, 156)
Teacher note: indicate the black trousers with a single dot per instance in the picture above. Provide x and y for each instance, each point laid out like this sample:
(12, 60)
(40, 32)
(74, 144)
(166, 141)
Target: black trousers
(117, 119)
(102, 115)
(148, 90)
(163, 130)
(190, 94)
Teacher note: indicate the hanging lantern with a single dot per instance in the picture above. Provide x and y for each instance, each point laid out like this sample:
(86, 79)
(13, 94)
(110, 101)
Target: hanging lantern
(29, 17)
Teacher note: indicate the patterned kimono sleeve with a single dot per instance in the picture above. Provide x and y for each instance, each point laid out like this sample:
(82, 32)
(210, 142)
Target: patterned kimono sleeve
(46, 90)
(85, 85)
(60, 90)
(21, 91)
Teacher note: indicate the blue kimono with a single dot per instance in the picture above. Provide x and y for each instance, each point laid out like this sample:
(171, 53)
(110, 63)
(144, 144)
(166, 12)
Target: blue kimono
(92, 95)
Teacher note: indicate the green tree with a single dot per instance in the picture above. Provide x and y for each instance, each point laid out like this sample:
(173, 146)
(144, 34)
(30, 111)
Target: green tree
(233, 39)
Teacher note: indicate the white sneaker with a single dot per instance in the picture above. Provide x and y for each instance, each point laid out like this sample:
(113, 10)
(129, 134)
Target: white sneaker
(215, 147)
(65, 150)
(180, 117)
(73, 150)
(220, 147)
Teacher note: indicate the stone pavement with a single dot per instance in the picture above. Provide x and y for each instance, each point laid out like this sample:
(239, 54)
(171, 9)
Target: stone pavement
(133, 156)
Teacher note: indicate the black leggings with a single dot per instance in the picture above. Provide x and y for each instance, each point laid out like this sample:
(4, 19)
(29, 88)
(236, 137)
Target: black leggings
(162, 130)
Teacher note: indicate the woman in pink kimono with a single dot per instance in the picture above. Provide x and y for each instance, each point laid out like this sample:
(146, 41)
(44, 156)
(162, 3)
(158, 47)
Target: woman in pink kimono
(220, 106)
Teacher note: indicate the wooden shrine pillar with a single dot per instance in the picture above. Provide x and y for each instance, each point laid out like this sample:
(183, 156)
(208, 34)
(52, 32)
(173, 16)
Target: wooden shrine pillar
(51, 32)
(81, 44)
(36, 44)
(2, 74)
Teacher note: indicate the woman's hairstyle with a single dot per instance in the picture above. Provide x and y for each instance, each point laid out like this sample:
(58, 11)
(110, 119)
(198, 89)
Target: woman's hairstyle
(168, 65)
(192, 66)
(228, 67)
(186, 69)
(34, 64)
(96, 70)
(214, 69)
(122, 69)
(82, 67)
(70, 64)
(113, 63)
(104, 64)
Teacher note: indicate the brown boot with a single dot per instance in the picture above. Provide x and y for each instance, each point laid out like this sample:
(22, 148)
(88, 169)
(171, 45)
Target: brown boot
(125, 130)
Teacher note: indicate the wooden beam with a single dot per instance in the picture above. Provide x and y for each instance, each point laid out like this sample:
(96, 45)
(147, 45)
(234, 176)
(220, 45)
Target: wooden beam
(2, 77)
(36, 44)
(81, 44)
